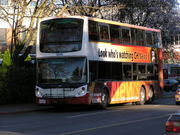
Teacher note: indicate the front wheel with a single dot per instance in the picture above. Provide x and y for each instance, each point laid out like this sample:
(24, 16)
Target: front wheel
(104, 99)
(142, 97)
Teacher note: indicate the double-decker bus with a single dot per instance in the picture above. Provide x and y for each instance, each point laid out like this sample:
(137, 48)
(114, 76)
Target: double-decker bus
(83, 60)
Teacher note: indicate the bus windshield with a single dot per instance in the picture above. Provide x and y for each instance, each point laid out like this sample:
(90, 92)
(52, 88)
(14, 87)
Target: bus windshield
(61, 35)
(62, 70)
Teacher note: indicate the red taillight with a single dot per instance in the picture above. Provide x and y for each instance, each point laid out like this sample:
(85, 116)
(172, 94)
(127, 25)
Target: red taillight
(169, 126)
(172, 127)
(175, 130)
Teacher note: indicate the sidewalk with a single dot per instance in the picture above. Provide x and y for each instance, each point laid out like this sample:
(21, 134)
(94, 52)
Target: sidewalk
(21, 108)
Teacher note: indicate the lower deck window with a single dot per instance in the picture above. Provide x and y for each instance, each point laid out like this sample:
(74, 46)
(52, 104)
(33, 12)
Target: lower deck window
(127, 72)
(117, 71)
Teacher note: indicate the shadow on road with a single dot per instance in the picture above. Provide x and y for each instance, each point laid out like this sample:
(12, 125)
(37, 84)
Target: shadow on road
(167, 99)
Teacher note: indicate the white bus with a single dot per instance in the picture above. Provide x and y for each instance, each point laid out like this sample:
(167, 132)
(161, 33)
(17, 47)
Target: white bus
(83, 60)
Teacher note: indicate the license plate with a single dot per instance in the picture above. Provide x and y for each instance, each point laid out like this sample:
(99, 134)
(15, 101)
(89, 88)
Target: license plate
(42, 101)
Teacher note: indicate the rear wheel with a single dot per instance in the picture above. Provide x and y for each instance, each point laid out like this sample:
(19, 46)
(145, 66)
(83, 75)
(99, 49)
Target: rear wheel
(150, 95)
(142, 97)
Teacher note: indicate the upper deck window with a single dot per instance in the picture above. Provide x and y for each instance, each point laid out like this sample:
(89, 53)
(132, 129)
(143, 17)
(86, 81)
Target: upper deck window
(104, 32)
(157, 39)
(149, 38)
(140, 37)
(133, 36)
(61, 35)
(93, 31)
(115, 34)
(126, 35)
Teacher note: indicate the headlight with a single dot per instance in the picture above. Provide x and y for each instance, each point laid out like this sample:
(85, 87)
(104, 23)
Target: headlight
(81, 91)
(38, 93)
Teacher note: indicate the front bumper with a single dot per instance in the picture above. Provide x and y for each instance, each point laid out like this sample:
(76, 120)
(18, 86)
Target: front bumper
(70, 100)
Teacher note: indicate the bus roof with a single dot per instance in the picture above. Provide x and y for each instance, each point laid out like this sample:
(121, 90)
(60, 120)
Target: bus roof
(123, 24)
(108, 22)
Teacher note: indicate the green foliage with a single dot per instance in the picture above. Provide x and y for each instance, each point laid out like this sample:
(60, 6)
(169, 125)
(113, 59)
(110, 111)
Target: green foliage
(3, 91)
(20, 83)
(16, 82)
(7, 58)
(1, 55)
(28, 58)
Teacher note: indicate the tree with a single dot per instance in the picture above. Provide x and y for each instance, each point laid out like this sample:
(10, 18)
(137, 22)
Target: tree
(21, 11)
(160, 14)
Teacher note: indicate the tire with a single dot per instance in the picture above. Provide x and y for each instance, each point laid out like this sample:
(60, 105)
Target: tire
(177, 103)
(104, 99)
(150, 95)
(142, 97)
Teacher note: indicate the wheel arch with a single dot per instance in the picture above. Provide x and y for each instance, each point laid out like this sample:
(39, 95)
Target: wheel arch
(107, 89)
(152, 87)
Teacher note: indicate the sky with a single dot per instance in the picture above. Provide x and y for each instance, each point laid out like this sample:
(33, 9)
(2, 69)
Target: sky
(178, 2)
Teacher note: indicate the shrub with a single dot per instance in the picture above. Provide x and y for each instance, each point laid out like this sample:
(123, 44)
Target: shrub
(20, 84)
(17, 83)
(3, 90)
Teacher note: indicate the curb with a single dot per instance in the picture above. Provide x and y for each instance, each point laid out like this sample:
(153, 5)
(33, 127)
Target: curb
(17, 112)
(24, 111)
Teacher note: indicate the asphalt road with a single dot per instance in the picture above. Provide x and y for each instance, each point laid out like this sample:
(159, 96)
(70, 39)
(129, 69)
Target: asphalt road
(116, 120)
